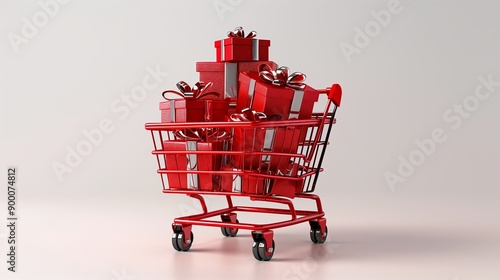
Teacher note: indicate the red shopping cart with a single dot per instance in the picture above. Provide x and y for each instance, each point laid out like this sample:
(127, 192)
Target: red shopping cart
(272, 161)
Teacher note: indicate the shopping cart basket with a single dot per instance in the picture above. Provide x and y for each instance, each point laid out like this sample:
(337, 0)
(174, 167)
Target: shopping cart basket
(268, 161)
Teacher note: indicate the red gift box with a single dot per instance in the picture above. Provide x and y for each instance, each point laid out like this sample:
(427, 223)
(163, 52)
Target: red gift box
(248, 140)
(195, 162)
(224, 75)
(272, 99)
(244, 183)
(242, 49)
(209, 182)
(176, 162)
(194, 110)
(283, 140)
(287, 187)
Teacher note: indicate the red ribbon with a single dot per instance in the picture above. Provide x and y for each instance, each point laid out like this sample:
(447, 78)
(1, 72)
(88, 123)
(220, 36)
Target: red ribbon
(202, 134)
(186, 91)
(280, 77)
(240, 33)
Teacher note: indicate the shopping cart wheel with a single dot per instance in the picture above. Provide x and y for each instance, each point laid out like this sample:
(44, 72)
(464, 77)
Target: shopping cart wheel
(180, 243)
(261, 252)
(230, 232)
(317, 236)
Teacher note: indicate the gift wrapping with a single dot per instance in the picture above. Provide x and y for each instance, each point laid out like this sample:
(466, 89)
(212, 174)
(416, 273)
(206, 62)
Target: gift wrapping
(195, 162)
(224, 75)
(248, 140)
(291, 103)
(193, 104)
(242, 49)
(286, 187)
(176, 162)
(193, 110)
(282, 140)
(209, 182)
(245, 183)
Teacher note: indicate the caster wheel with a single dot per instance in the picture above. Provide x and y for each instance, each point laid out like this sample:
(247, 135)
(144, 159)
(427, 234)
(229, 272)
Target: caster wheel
(179, 243)
(229, 232)
(260, 252)
(317, 236)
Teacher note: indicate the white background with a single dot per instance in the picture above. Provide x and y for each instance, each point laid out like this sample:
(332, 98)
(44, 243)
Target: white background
(107, 218)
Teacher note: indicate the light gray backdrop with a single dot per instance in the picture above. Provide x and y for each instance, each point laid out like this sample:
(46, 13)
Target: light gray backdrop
(411, 180)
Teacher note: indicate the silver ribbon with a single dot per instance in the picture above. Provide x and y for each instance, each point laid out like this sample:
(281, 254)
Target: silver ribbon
(251, 92)
(236, 182)
(298, 96)
(255, 49)
(192, 164)
(172, 110)
(231, 79)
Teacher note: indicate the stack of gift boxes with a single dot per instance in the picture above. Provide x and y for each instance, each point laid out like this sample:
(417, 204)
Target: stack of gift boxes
(241, 85)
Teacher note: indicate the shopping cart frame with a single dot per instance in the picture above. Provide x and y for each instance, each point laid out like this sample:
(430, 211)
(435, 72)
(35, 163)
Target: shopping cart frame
(263, 246)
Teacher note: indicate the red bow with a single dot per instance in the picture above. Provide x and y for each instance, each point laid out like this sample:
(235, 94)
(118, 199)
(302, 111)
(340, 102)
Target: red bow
(202, 134)
(280, 77)
(240, 33)
(248, 114)
(195, 92)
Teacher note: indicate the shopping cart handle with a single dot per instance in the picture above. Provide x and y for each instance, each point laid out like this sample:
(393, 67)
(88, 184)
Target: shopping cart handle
(335, 94)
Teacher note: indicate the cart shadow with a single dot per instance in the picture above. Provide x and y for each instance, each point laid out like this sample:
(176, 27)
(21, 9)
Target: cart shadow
(289, 249)
(355, 244)
(202, 250)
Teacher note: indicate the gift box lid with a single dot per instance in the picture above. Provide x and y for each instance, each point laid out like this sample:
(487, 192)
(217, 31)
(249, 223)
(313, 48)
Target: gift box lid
(241, 41)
